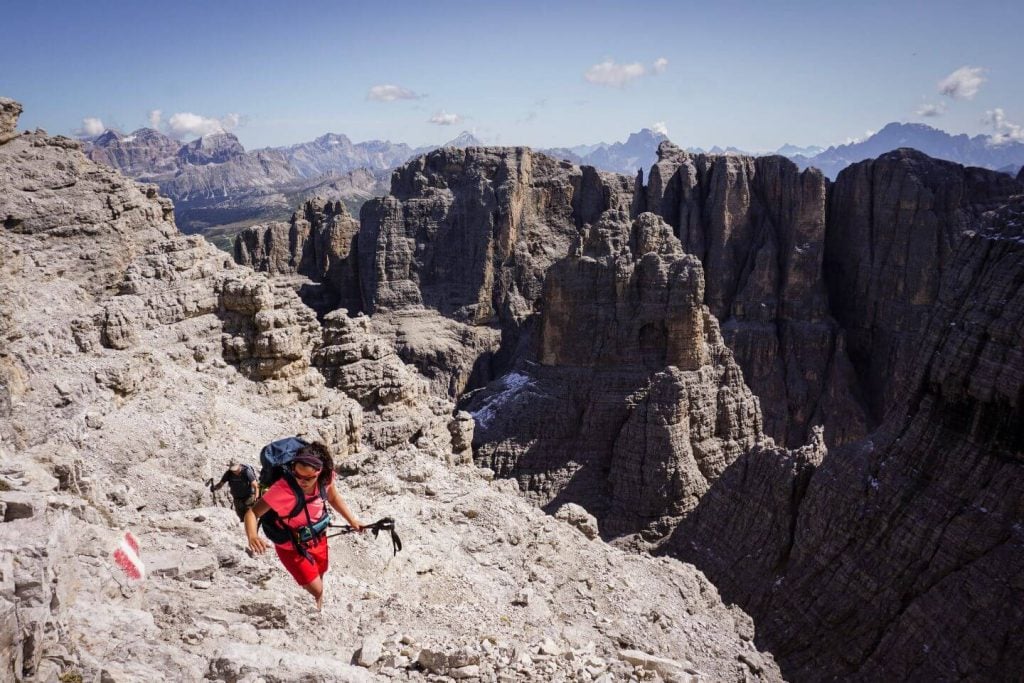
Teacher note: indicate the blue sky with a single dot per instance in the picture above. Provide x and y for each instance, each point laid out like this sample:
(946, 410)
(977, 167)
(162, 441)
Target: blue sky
(754, 75)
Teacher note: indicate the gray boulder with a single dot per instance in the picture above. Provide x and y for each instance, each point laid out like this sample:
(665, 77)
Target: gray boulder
(9, 113)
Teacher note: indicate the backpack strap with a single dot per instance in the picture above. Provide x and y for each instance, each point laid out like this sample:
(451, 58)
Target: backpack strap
(300, 495)
(301, 506)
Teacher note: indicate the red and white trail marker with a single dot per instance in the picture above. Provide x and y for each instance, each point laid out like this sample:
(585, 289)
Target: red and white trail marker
(128, 558)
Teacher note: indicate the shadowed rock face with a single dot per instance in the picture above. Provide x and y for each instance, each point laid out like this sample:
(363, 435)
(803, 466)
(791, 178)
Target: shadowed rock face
(471, 232)
(894, 224)
(758, 226)
(636, 405)
(899, 557)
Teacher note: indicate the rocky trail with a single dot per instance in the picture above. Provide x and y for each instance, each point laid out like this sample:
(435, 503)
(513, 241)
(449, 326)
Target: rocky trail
(136, 361)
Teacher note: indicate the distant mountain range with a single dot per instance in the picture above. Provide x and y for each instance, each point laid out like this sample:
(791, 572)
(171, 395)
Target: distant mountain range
(980, 150)
(639, 151)
(217, 186)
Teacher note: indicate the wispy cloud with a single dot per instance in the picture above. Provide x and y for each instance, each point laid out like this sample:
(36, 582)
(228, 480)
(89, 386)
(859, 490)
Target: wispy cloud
(187, 124)
(660, 127)
(155, 117)
(92, 126)
(931, 110)
(615, 75)
(962, 84)
(1002, 130)
(443, 118)
(390, 93)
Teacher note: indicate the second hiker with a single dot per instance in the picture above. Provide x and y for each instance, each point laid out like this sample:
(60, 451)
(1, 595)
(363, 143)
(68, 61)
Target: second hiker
(241, 481)
(295, 517)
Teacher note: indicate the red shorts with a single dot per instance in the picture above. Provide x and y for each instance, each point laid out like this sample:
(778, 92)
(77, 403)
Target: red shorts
(302, 570)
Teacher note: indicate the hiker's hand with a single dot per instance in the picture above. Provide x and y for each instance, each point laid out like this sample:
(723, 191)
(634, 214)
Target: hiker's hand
(257, 545)
(358, 527)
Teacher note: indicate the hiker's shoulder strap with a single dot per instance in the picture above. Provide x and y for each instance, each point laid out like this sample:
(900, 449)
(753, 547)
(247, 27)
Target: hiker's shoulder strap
(300, 495)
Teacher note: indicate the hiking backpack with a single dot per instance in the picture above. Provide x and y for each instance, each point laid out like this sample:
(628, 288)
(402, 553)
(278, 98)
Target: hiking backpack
(274, 460)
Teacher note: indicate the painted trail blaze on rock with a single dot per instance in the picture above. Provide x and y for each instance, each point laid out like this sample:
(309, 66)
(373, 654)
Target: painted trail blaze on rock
(128, 558)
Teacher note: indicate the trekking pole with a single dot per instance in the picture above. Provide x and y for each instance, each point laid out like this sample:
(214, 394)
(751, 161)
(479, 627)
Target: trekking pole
(383, 524)
(213, 492)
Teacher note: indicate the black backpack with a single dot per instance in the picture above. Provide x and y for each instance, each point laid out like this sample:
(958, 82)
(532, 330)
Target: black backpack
(274, 460)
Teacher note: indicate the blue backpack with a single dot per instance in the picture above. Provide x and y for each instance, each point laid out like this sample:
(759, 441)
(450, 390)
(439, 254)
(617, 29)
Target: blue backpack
(274, 460)
(275, 457)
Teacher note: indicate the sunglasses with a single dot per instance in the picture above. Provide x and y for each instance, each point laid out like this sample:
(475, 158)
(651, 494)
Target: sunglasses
(302, 478)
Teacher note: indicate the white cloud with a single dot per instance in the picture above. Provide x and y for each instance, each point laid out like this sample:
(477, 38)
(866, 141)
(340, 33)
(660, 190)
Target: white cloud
(962, 84)
(390, 93)
(660, 127)
(1003, 131)
(155, 116)
(443, 118)
(187, 124)
(931, 109)
(613, 74)
(92, 126)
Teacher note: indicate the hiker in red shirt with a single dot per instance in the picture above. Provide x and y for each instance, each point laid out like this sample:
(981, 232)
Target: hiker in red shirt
(294, 516)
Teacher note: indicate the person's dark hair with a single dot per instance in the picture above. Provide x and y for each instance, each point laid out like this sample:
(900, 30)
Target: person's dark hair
(321, 452)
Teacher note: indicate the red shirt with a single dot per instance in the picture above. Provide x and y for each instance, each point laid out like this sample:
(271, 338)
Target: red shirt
(281, 500)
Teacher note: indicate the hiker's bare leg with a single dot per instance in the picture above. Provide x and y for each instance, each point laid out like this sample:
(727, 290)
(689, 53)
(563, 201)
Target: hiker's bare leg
(316, 589)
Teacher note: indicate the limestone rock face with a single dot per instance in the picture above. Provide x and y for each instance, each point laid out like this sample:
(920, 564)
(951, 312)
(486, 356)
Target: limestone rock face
(318, 242)
(895, 558)
(268, 342)
(145, 154)
(470, 233)
(636, 404)
(758, 227)
(396, 399)
(9, 113)
(215, 148)
(896, 222)
(207, 174)
(335, 153)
